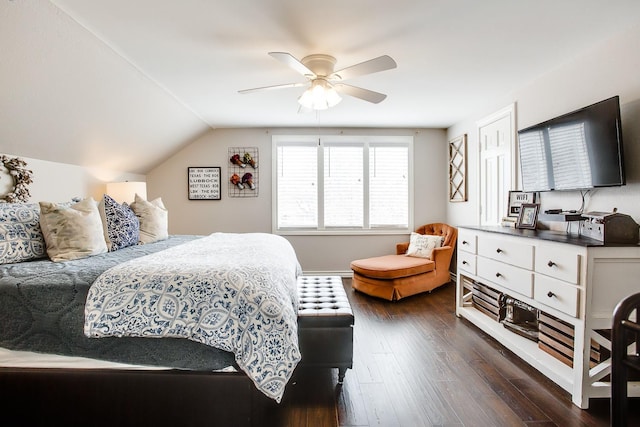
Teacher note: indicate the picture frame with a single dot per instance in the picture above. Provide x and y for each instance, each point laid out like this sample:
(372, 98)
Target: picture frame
(516, 199)
(458, 169)
(204, 182)
(528, 217)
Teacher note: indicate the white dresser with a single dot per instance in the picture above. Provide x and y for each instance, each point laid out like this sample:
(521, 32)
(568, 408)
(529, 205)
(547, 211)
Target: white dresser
(574, 282)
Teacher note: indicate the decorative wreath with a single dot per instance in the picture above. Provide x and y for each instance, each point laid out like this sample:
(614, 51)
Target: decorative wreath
(21, 179)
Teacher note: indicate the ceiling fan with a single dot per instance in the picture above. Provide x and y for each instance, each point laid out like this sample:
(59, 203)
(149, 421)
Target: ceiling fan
(326, 85)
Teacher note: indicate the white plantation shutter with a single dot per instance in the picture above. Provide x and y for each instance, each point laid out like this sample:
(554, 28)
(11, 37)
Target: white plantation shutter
(342, 183)
(343, 186)
(388, 186)
(297, 185)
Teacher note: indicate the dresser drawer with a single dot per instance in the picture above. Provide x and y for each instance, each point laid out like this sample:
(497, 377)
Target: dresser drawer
(561, 263)
(467, 241)
(556, 294)
(507, 251)
(467, 262)
(509, 277)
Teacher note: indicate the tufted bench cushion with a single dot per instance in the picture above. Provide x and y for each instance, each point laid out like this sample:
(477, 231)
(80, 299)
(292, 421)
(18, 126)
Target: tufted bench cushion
(325, 323)
(322, 301)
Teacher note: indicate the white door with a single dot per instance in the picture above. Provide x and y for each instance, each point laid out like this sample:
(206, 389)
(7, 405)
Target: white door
(496, 166)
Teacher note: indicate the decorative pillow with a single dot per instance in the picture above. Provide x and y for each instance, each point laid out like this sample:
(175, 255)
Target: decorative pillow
(21, 238)
(422, 245)
(154, 219)
(72, 232)
(121, 225)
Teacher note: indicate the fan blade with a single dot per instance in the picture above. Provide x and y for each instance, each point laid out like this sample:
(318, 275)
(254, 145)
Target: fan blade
(381, 63)
(284, 86)
(290, 61)
(358, 92)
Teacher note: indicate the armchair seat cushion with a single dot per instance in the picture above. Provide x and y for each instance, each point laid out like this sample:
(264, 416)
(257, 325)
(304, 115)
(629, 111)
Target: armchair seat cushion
(392, 266)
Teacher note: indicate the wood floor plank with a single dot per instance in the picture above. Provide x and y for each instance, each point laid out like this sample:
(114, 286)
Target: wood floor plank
(309, 401)
(467, 409)
(377, 403)
(559, 408)
(417, 403)
(490, 404)
(351, 409)
(523, 407)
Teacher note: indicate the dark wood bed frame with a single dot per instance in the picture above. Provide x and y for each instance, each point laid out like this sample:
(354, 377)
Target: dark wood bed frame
(107, 397)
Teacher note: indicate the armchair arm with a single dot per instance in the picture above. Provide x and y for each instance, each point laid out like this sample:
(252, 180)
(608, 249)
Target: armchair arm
(401, 248)
(442, 257)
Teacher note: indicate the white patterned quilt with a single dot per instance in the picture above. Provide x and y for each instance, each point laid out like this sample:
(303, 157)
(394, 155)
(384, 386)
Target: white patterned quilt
(236, 292)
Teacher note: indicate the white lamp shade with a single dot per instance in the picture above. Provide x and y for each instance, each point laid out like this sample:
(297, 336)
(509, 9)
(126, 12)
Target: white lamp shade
(320, 96)
(126, 191)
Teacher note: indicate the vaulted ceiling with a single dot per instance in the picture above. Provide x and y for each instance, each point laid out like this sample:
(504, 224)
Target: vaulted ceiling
(125, 83)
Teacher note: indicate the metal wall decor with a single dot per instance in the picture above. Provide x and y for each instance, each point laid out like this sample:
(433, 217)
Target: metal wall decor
(243, 172)
(14, 170)
(458, 169)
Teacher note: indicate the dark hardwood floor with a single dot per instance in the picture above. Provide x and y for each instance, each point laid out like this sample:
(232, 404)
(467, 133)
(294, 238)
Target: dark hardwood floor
(417, 364)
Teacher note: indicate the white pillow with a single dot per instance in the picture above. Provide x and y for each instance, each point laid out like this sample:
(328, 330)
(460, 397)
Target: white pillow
(72, 232)
(422, 245)
(154, 219)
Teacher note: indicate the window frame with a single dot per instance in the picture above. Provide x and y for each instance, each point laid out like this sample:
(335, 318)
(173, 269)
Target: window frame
(320, 141)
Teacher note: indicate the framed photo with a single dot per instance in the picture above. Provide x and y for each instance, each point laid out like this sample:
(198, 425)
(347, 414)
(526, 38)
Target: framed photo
(528, 217)
(204, 183)
(516, 199)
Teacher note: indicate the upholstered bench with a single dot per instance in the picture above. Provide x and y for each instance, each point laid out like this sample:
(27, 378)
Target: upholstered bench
(325, 324)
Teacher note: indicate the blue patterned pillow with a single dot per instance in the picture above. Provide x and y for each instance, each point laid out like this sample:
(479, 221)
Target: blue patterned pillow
(21, 237)
(121, 226)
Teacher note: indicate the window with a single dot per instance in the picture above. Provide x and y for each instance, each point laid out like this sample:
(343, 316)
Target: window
(335, 184)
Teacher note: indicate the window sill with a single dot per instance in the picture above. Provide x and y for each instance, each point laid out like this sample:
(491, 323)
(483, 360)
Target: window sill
(345, 232)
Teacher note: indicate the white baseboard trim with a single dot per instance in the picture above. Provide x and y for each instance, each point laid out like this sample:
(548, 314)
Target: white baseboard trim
(345, 274)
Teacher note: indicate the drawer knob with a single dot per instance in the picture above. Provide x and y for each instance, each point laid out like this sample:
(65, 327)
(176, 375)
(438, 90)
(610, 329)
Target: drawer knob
(551, 294)
(465, 262)
(498, 250)
(551, 264)
(498, 275)
(464, 242)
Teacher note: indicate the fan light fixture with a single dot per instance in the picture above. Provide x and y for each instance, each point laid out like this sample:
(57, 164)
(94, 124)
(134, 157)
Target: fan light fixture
(320, 96)
(326, 84)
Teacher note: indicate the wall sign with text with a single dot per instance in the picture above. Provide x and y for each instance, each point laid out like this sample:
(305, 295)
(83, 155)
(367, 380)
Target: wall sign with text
(204, 183)
(517, 199)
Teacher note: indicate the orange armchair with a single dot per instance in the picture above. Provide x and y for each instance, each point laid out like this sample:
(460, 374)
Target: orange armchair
(394, 277)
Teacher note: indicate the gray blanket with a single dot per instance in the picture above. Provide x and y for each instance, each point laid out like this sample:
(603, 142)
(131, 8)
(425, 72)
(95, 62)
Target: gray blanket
(42, 310)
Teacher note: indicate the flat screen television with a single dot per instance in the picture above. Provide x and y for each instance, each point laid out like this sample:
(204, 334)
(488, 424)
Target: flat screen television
(576, 151)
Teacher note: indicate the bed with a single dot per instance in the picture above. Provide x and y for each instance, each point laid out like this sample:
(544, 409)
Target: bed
(113, 330)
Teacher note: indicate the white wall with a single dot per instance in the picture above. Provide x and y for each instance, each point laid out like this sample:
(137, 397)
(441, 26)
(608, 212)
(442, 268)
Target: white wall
(608, 70)
(68, 97)
(169, 180)
(60, 182)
